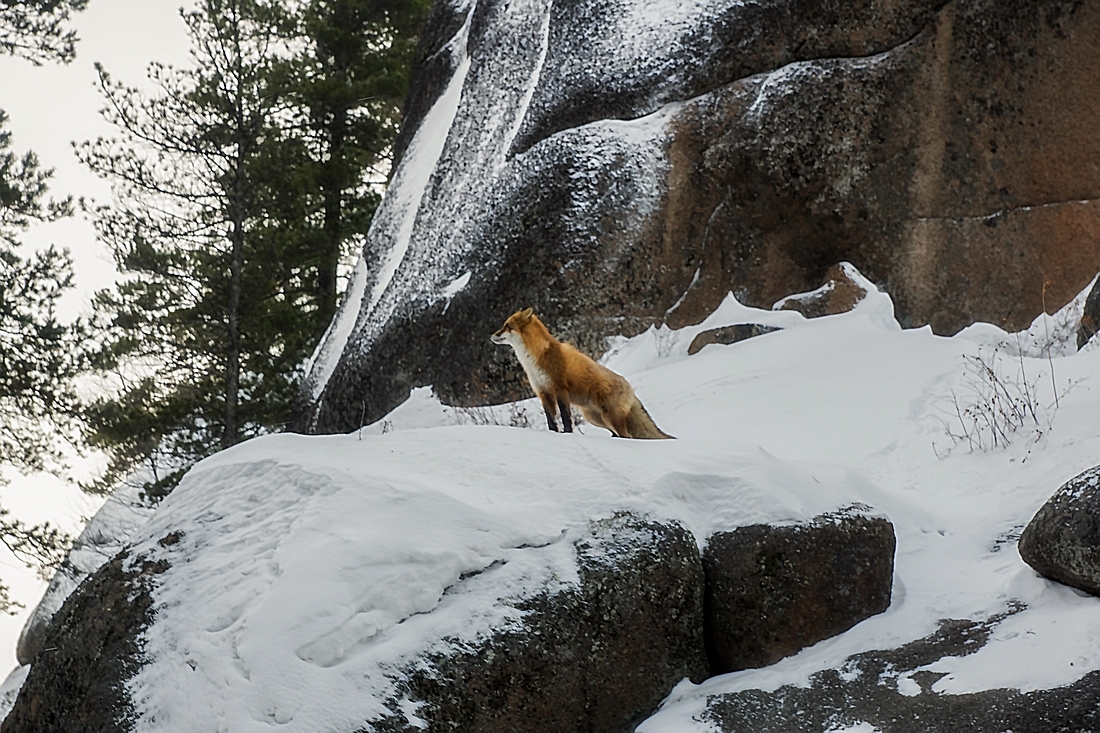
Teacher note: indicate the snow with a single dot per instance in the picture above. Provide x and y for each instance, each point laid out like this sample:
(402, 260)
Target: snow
(9, 690)
(105, 535)
(322, 557)
(412, 180)
(310, 568)
(323, 360)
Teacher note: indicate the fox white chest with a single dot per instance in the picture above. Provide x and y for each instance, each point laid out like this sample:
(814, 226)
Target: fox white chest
(539, 379)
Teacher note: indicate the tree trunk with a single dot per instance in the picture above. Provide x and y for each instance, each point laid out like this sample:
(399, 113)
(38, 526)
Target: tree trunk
(236, 208)
(333, 185)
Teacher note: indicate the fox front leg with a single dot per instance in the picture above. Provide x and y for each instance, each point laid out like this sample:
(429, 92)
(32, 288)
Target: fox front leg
(566, 415)
(550, 407)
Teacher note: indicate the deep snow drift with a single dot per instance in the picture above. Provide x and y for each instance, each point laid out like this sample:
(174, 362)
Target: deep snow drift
(316, 552)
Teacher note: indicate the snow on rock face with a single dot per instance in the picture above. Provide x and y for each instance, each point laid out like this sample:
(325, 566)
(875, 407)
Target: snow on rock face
(299, 580)
(623, 163)
(483, 187)
(106, 535)
(331, 566)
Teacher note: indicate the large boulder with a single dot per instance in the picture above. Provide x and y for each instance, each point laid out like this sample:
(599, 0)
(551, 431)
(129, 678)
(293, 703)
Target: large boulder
(615, 168)
(1062, 540)
(599, 654)
(772, 591)
(449, 579)
(597, 658)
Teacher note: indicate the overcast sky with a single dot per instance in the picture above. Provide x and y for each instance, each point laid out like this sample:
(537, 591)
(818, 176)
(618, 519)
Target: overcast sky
(53, 105)
(50, 107)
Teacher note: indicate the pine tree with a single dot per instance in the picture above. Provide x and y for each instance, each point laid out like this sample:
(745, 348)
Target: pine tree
(34, 29)
(237, 189)
(202, 332)
(39, 356)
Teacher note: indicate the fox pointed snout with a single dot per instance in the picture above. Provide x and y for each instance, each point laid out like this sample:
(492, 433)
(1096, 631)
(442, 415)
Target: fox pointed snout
(498, 338)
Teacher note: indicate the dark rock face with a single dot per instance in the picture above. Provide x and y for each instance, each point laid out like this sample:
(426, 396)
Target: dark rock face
(614, 172)
(772, 591)
(91, 649)
(866, 690)
(728, 335)
(600, 658)
(1062, 540)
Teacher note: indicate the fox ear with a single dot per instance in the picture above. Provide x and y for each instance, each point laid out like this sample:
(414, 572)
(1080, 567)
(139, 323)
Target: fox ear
(527, 313)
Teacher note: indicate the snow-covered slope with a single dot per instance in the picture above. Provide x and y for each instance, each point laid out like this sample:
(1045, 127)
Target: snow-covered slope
(307, 556)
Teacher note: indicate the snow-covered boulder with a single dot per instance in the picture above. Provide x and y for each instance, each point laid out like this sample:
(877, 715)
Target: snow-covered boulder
(600, 656)
(773, 591)
(617, 164)
(1062, 540)
(419, 577)
(594, 644)
(292, 577)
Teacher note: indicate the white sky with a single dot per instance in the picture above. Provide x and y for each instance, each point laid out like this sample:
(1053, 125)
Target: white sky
(50, 107)
(53, 105)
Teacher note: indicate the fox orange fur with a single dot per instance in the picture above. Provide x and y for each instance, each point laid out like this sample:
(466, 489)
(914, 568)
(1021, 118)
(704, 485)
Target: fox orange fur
(561, 375)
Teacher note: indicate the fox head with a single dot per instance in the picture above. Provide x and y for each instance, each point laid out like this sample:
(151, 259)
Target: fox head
(509, 333)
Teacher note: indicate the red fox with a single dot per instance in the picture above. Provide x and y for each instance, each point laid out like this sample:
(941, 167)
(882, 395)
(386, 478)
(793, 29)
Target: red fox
(561, 375)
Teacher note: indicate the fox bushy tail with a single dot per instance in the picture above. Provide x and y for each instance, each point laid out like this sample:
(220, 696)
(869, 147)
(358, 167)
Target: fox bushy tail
(641, 425)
